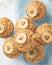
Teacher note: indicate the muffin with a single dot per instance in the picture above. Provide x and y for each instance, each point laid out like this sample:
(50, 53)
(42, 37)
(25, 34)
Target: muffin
(36, 10)
(25, 23)
(51, 28)
(36, 54)
(10, 48)
(24, 40)
(44, 32)
(6, 27)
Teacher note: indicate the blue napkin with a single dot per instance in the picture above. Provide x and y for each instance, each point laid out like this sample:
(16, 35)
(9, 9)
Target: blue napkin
(20, 12)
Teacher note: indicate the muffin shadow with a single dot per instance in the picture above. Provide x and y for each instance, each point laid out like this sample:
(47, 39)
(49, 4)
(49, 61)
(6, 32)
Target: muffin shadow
(46, 19)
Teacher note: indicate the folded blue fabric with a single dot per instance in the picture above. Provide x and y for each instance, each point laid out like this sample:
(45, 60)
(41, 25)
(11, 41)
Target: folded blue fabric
(20, 12)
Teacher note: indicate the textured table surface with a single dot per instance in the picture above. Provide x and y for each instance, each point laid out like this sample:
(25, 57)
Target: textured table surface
(15, 9)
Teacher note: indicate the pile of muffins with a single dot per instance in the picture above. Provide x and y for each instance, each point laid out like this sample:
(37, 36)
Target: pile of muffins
(28, 39)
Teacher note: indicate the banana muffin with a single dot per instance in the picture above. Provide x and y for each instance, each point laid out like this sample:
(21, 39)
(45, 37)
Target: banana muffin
(44, 33)
(25, 23)
(10, 48)
(6, 27)
(36, 54)
(36, 10)
(24, 40)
